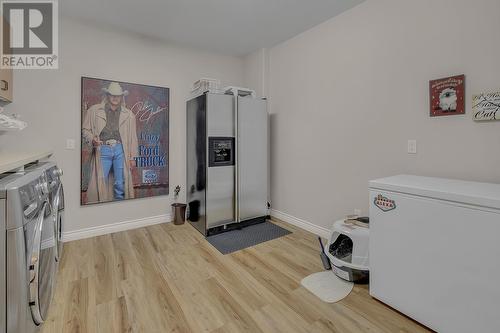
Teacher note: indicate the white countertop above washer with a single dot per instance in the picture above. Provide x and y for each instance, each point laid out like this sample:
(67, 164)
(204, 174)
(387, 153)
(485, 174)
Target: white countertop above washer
(15, 160)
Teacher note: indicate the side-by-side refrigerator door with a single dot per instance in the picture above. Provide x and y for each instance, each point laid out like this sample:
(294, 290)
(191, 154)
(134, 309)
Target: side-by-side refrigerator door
(252, 158)
(196, 166)
(221, 152)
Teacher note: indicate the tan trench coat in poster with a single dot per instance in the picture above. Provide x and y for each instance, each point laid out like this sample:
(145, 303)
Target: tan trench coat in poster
(100, 190)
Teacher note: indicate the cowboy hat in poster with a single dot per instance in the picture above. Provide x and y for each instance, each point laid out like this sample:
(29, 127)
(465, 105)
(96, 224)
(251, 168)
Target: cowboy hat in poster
(447, 96)
(125, 138)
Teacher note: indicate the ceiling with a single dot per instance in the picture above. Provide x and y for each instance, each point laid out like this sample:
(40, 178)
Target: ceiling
(235, 27)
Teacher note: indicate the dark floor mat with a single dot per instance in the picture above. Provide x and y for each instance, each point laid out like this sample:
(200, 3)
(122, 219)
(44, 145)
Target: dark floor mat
(236, 240)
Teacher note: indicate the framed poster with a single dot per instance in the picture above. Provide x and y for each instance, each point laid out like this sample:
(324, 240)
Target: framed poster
(125, 139)
(486, 106)
(447, 96)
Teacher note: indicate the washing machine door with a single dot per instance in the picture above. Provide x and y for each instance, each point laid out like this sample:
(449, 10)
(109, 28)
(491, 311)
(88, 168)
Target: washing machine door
(58, 212)
(41, 261)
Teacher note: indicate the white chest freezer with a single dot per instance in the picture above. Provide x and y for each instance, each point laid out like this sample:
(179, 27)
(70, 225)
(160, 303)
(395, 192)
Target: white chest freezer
(435, 251)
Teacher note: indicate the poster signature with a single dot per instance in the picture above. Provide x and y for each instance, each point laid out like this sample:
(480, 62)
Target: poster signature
(144, 111)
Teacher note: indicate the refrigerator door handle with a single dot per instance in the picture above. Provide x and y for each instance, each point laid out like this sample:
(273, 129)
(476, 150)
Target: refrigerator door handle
(236, 161)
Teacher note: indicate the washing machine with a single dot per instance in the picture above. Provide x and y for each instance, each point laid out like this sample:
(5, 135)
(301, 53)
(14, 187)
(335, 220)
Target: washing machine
(28, 251)
(56, 199)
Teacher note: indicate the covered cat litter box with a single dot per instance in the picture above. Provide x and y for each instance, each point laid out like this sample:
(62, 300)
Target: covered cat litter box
(348, 250)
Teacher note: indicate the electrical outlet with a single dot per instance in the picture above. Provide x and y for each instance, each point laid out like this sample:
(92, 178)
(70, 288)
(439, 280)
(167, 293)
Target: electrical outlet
(412, 146)
(70, 144)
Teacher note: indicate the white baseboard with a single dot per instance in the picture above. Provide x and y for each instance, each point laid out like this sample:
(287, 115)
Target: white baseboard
(303, 224)
(115, 227)
(139, 223)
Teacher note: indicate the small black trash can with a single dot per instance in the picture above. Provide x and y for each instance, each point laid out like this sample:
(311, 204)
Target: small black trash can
(179, 211)
(194, 211)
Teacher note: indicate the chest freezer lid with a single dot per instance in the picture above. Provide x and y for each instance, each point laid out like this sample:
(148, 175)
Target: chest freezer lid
(474, 193)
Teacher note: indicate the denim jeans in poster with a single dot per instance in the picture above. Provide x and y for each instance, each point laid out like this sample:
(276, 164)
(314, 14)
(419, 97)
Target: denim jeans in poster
(112, 156)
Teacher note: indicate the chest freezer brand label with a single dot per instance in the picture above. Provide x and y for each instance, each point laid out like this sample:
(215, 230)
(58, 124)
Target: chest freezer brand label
(384, 203)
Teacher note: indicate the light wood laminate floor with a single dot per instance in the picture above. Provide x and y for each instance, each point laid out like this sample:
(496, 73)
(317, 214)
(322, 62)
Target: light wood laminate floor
(168, 278)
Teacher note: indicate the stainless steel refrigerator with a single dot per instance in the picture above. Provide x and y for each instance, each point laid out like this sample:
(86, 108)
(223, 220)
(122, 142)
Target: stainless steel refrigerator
(227, 162)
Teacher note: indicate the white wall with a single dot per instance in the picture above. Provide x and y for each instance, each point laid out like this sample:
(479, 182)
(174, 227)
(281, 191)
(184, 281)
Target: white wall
(50, 101)
(346, 96)
(256, 72)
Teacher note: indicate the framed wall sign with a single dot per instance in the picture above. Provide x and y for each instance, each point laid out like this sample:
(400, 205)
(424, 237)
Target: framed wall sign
(447, 96)
(486, 106)
(125, 139)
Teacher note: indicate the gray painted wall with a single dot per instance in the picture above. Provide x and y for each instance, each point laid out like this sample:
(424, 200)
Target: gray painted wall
(49, 100)
(346, 96)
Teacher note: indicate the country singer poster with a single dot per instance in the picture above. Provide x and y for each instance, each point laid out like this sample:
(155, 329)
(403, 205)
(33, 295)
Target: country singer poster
(125, 138)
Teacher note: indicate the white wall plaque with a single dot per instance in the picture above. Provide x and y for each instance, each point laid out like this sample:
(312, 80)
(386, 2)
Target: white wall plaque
(486, 106)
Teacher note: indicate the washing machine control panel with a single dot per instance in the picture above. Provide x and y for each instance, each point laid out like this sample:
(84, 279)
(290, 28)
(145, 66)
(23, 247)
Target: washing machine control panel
(30, 195)
(53, 177)
(57, 172)
(44, 188)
